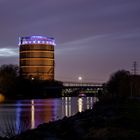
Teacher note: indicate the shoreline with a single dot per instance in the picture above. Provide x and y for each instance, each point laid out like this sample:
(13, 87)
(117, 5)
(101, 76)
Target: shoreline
(108, 120)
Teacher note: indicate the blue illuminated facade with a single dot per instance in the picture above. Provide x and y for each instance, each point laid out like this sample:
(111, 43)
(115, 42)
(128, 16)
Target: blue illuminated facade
(36, 40)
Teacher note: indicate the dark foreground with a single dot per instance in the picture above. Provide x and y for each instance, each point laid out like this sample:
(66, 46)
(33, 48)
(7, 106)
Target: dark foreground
(110, 120)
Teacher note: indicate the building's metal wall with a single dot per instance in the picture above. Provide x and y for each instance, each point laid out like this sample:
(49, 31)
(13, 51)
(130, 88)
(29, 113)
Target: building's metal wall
(37, 61)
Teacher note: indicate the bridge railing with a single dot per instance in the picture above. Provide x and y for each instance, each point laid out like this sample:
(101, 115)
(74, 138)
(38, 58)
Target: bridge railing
(71, 84)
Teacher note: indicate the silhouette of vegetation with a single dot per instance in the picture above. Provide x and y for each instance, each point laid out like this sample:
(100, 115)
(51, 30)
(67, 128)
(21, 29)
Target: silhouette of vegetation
(135, 85)
(8, 79)
(119, 84)
(38, 88)
(14, 86)
(122, 84)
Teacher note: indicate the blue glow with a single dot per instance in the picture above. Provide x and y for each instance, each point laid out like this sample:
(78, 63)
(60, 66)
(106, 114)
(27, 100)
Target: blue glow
(18, 114)
(36, 40)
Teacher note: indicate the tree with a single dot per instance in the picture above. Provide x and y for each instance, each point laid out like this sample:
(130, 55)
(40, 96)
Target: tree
(119, 84)
(12, 85)
(8, 79)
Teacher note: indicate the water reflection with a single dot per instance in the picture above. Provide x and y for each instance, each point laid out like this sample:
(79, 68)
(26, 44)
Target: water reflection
(89, 102)
(18, 113)
(32, 114)
(80, 104)
(35, 112)
(66, 106)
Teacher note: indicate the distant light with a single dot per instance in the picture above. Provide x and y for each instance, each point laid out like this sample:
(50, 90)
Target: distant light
(2, 98)
(80, 78)
(32, 78)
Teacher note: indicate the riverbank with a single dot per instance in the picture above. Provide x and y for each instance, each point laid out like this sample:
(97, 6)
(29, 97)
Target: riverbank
(108, 120)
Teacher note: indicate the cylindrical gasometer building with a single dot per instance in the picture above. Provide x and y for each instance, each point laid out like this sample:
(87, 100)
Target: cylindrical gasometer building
(37, 57)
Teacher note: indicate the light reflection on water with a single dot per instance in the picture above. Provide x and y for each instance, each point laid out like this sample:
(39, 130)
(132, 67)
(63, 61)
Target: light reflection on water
(35, 112)
(32, 114)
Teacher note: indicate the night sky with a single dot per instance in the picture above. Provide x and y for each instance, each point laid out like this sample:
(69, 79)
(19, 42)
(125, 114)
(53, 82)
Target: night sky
(94, 37)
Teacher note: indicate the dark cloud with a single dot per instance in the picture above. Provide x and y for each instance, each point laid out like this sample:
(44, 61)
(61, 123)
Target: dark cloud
(94, 37)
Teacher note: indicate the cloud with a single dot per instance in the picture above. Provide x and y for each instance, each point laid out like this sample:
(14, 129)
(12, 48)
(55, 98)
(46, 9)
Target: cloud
(87, 42)
(8, 52)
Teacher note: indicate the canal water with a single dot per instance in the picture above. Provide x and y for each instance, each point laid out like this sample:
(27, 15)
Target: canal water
(23, 114)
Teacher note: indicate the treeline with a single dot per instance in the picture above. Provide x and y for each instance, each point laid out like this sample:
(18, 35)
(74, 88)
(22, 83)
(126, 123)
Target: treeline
(14, 86)
(122, 84)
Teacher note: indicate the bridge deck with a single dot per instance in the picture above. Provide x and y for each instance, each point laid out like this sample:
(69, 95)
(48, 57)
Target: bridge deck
(82, 84)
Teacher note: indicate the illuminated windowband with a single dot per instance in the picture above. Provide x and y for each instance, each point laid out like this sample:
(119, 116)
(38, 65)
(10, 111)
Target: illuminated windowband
(36, 40)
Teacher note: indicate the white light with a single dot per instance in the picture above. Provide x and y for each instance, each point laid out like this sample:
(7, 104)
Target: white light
(80, 104)
(32, 114)
(80, 78)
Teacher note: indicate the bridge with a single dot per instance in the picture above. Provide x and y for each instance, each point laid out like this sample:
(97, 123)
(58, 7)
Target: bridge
(71, 88)
(81, 84)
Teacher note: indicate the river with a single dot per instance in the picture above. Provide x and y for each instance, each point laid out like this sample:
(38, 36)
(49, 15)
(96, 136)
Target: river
(23, 114)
